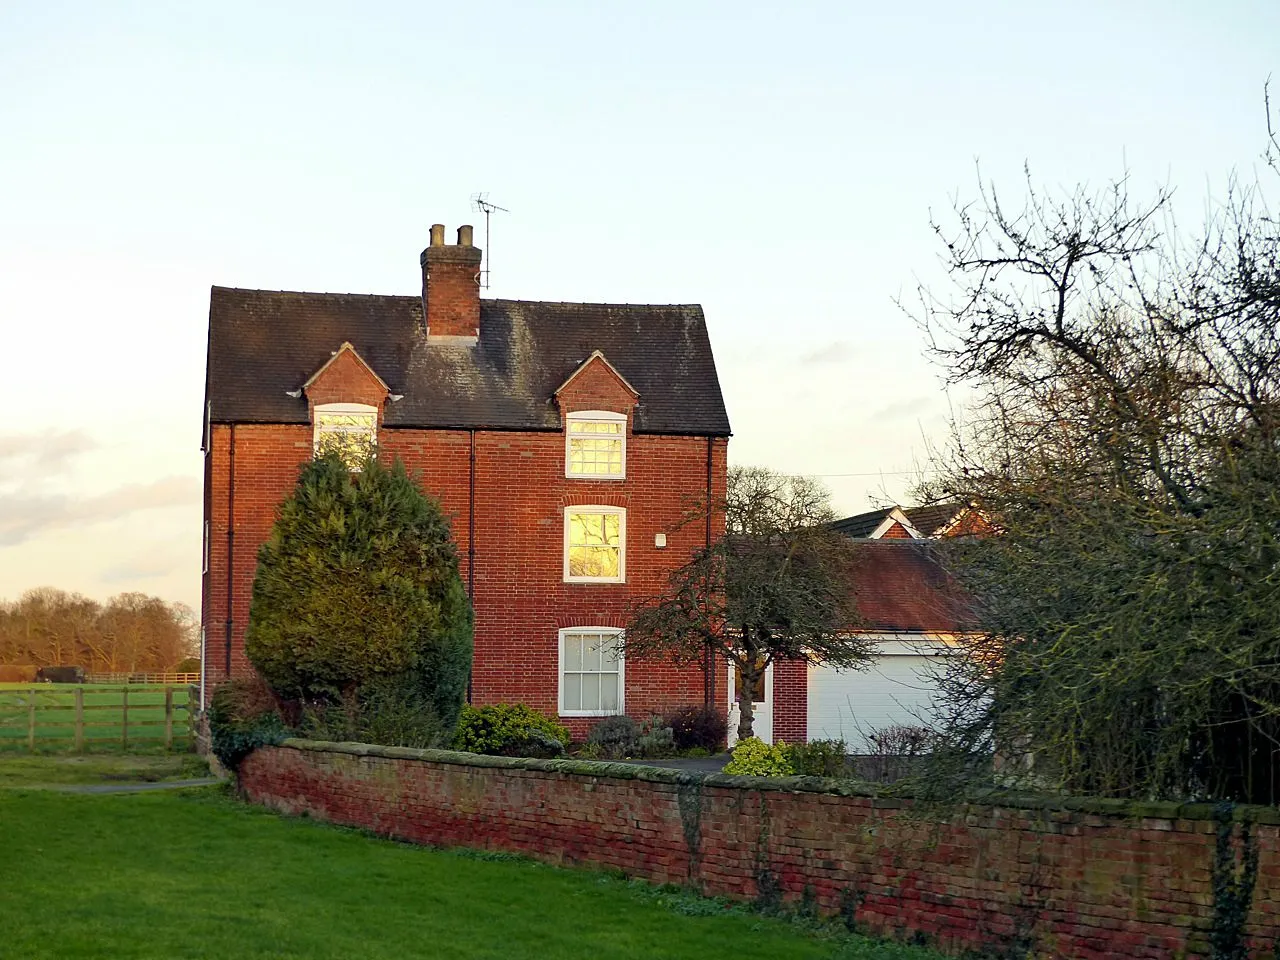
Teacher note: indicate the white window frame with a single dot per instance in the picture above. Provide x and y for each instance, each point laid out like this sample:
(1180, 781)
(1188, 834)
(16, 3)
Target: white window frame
(594, 416)
(621, 513)
(339, 408)
(622, 670)
(204, 550)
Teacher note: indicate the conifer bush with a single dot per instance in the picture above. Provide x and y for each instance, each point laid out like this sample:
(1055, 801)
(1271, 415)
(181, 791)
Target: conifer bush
(358, 599)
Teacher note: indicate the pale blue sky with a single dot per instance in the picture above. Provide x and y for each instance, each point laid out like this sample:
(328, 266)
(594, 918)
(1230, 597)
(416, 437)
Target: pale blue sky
(775, 163)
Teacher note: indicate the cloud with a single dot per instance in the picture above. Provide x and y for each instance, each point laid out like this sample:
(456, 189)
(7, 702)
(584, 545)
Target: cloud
(24, 516)
(904, 409)
(25, 452)
(153, 563)
(837, 352)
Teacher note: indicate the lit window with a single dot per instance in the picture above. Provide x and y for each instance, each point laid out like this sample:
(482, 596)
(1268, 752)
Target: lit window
(594, 544)
(590, 671)
(595, 445)
(348, 429)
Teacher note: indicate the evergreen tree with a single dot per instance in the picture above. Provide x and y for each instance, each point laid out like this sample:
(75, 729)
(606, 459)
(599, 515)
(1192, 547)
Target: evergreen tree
(357, 598)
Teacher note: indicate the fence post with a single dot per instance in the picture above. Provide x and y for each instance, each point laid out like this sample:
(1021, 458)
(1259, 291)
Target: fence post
(168, 718)
(124, 717)
(31, 720)
(193, 713)
(79, 719)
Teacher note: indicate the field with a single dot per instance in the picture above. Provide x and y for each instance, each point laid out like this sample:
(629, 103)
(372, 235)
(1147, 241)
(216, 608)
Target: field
(101, 712)
(197, 874)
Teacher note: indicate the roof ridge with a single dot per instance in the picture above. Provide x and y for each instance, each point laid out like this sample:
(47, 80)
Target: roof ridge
(589, 303)
(316, 293)
(483, 300)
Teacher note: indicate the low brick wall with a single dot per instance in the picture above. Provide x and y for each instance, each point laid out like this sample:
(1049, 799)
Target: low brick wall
(1028, 876)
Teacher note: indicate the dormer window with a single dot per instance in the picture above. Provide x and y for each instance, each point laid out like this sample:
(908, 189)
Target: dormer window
(595, 445)
(348, 429)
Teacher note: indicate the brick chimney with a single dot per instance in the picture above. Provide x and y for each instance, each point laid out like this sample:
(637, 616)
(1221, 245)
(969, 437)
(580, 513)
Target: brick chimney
(451, 285)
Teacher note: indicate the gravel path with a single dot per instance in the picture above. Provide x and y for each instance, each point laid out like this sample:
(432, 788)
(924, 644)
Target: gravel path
(113, 787)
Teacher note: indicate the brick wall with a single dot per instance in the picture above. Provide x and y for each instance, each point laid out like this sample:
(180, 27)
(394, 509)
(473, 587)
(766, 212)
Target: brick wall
(520, 596)
(791, 701)
(1090, 879)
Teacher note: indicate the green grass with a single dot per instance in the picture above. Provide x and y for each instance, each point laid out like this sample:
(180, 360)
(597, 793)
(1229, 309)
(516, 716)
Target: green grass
(103, 715)
(24, 769)
(196, 874)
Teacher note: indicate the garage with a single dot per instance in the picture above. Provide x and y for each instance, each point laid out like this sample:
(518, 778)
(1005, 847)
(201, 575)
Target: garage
(897, 690)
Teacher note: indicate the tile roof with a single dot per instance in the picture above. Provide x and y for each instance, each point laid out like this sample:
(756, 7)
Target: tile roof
(901, 585)
(928, 520)
(263, 343)
(931, 519)
(861, 524)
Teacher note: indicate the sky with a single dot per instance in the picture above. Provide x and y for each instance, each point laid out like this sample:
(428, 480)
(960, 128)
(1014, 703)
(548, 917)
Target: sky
(776, 163)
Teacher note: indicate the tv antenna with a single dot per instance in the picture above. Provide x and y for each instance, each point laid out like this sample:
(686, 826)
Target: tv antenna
(482, 203)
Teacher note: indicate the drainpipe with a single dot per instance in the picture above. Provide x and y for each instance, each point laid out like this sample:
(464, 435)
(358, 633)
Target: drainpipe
(708, 661)
(471, 549)
(231, 544)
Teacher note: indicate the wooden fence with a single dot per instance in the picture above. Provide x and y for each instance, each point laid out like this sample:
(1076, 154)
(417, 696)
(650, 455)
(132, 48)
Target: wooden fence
(117, 679)
(77, 716)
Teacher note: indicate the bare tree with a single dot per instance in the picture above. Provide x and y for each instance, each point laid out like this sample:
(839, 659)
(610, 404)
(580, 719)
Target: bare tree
(1125, 441)
(775, 586)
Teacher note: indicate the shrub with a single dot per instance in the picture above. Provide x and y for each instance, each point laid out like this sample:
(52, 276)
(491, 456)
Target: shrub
(359, 583)
(509, 730)
(655, 739)
(901, 741)
(819, 758)
(614, 737)
(698, 727)
(753, 757)
(897, 752)
(242, 717)
(394, 712)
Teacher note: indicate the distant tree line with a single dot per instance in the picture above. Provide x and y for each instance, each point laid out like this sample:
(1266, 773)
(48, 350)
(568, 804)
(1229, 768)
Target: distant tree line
(130, 633)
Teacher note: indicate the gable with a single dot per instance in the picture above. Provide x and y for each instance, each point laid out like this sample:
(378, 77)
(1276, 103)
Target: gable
(887, 522)
(345, 378)
(596, 385)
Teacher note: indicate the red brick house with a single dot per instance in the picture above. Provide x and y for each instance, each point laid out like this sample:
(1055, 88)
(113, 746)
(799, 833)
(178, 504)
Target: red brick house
(930, 522)
(566, 441)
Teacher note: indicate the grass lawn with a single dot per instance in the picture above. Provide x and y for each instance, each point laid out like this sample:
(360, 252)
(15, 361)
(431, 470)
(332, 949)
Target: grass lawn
(197, 874)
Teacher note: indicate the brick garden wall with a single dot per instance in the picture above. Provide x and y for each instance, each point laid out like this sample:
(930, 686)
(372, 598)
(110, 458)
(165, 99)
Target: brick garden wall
(1047, 878)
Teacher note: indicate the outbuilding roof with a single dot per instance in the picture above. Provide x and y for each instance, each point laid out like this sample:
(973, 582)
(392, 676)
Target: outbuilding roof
(265, 344)
(900, 585)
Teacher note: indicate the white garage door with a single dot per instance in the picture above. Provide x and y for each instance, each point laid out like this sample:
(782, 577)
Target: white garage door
(896, 691)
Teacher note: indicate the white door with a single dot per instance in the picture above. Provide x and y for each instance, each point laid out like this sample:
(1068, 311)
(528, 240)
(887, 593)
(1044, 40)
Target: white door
(897, 690)
(761, 704)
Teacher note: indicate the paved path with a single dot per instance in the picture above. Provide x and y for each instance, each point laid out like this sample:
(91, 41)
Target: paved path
(112, 787)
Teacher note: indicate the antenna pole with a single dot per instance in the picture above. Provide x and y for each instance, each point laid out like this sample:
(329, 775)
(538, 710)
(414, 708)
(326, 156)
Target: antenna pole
(481, 202)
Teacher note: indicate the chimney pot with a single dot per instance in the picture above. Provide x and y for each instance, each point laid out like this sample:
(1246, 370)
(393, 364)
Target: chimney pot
(464, 235)
(437, 234)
